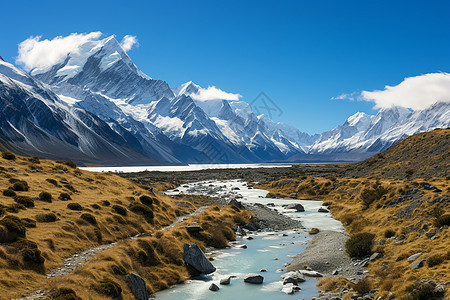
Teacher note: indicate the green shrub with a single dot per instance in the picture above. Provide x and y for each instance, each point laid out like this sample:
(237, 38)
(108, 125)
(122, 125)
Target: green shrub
(15, 228)
(65, 294)
(64, 197)
(109, 288)
(46, 218)
(45, 196)
(32, 256)
(20, 186)
(360, 244)
(118, 270)
(435, 260)
(443, 220)
(34, 160)
(52, 181)
(24, 200)
(71, 188)
(147, 200)
(119, 209)
(421, 291)
(120, 219)
(14, 208)
(363, 286)
(74, 206)
(388, 233)
(71, 164)
(89, 218)
(28, 223)
(8, 155)
(142, 209)
(9, 193)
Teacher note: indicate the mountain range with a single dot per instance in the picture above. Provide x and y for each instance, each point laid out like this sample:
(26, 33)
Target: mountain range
(97, 107)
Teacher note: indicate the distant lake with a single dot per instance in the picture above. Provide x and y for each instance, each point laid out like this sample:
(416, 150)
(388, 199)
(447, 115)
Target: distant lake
(193, 167)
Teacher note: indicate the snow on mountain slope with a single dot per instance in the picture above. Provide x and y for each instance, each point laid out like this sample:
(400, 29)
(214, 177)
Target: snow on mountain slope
(370, 134)
(239, 124)
(181, 125)
(34, 120)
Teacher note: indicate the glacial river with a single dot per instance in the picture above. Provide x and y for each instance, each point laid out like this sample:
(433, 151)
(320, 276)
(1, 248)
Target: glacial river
(268, 250)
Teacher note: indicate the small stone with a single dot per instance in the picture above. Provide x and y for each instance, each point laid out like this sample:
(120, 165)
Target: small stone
(254, 278)
(225, 281)
(375, 256)
(417, 264)
(263, 270)
(414, 257)
(323, 210)
(249, 238)
(213, 287)
(335, 272)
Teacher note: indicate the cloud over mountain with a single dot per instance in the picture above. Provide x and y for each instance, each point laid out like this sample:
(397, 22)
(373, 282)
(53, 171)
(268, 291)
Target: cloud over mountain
(417, 92)
(213, 93)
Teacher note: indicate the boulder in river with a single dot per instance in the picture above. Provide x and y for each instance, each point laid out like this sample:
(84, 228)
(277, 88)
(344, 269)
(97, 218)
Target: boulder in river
(254, 278)
(323, 210)
(297, 206)
(293, 277)
(225, 281)
(196, 260)
(138, 287)
(213, 287)
(290, 288)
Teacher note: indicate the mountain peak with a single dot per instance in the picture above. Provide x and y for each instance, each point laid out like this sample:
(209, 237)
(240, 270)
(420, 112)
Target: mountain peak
(187, 89)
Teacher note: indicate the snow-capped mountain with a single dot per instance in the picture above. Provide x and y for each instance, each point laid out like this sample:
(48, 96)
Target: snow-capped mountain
(102, 79)
(95, 105)
(363, 133)
(36, 121)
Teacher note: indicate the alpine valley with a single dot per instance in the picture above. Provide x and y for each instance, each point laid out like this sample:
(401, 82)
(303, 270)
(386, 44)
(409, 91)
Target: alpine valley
(97, 107)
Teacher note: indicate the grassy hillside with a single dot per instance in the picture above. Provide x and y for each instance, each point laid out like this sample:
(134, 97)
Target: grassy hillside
(423, 155)
(405, 216)
(51, 210)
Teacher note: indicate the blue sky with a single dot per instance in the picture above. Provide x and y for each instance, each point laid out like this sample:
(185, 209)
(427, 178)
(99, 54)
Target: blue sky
(300, 53)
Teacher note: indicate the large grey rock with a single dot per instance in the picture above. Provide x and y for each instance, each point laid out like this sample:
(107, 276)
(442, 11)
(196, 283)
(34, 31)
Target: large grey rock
(417, 264)
(213, 287)
(414, 256)
(194, 257)
(293, 277)
(236, 203)
(138, 287)
(225, 281)
(298, 207)
(254, 278)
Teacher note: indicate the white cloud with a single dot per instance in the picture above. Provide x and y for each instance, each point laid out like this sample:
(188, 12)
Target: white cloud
(213, 93)
(350, 96)
(37, 53)
(128, 42)
(417, 93)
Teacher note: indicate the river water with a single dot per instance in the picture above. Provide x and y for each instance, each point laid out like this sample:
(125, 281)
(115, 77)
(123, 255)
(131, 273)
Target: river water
(191, 167)
(268, 250)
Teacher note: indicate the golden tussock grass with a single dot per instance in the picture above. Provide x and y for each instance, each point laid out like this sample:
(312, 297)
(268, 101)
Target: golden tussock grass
(157, 258)
(403, 229)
